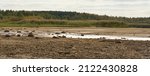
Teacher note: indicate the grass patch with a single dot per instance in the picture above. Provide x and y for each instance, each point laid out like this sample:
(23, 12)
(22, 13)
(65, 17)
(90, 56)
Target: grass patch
(63, 23)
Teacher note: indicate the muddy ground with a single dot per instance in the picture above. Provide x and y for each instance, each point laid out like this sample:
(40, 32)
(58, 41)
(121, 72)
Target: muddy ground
(62, 48)
(145, 32)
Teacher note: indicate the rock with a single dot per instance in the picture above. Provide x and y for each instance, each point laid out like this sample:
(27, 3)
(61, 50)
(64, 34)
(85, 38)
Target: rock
(37, 38)
(57, 33)
(117, 41)
(82, 34)
(6, 30)
(18, 35)
(7, 35)
(63, 37)
(123, 38)
(55, 37)
(63, 32)
(30, 34)
(103, 38)
(18, 31)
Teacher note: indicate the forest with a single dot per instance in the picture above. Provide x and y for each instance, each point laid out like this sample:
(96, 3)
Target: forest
(23, 18)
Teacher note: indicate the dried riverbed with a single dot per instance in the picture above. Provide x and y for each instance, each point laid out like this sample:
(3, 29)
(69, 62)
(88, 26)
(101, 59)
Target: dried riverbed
(63, 34)
(32, 44)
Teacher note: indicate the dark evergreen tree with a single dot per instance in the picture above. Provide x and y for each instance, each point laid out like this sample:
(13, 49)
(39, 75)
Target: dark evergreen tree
(69, 16)
(1, 16)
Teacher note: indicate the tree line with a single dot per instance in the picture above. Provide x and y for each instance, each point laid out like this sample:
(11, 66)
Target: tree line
(63, 15)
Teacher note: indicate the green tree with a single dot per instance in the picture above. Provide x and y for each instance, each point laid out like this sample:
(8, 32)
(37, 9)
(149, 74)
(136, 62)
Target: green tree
(1, 16)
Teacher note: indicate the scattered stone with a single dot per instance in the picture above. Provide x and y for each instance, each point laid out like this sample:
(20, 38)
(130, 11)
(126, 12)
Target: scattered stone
(63, 32)
(63, 36)
(117, 41)
(37, 38)
(30, 34)
(82, 34)
(59, 36)
(7, 35)
(18, 35)
(123, 38)
(18, 31)
(103, 38)
(6, 30)
(55, 37)
(57, 33)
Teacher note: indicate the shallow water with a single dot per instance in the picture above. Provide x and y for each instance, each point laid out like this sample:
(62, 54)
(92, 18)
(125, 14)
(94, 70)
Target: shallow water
(106, 37)
(75, 35)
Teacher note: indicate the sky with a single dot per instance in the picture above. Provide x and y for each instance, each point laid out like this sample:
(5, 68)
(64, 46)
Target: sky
(127, 8)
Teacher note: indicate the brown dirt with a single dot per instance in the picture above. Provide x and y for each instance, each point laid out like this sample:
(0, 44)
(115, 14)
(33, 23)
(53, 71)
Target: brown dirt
(62, 48)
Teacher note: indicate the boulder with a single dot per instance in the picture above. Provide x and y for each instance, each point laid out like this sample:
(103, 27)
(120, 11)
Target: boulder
(30, 34)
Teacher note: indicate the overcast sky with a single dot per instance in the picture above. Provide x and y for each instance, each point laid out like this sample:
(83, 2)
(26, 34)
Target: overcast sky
(128, 8)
